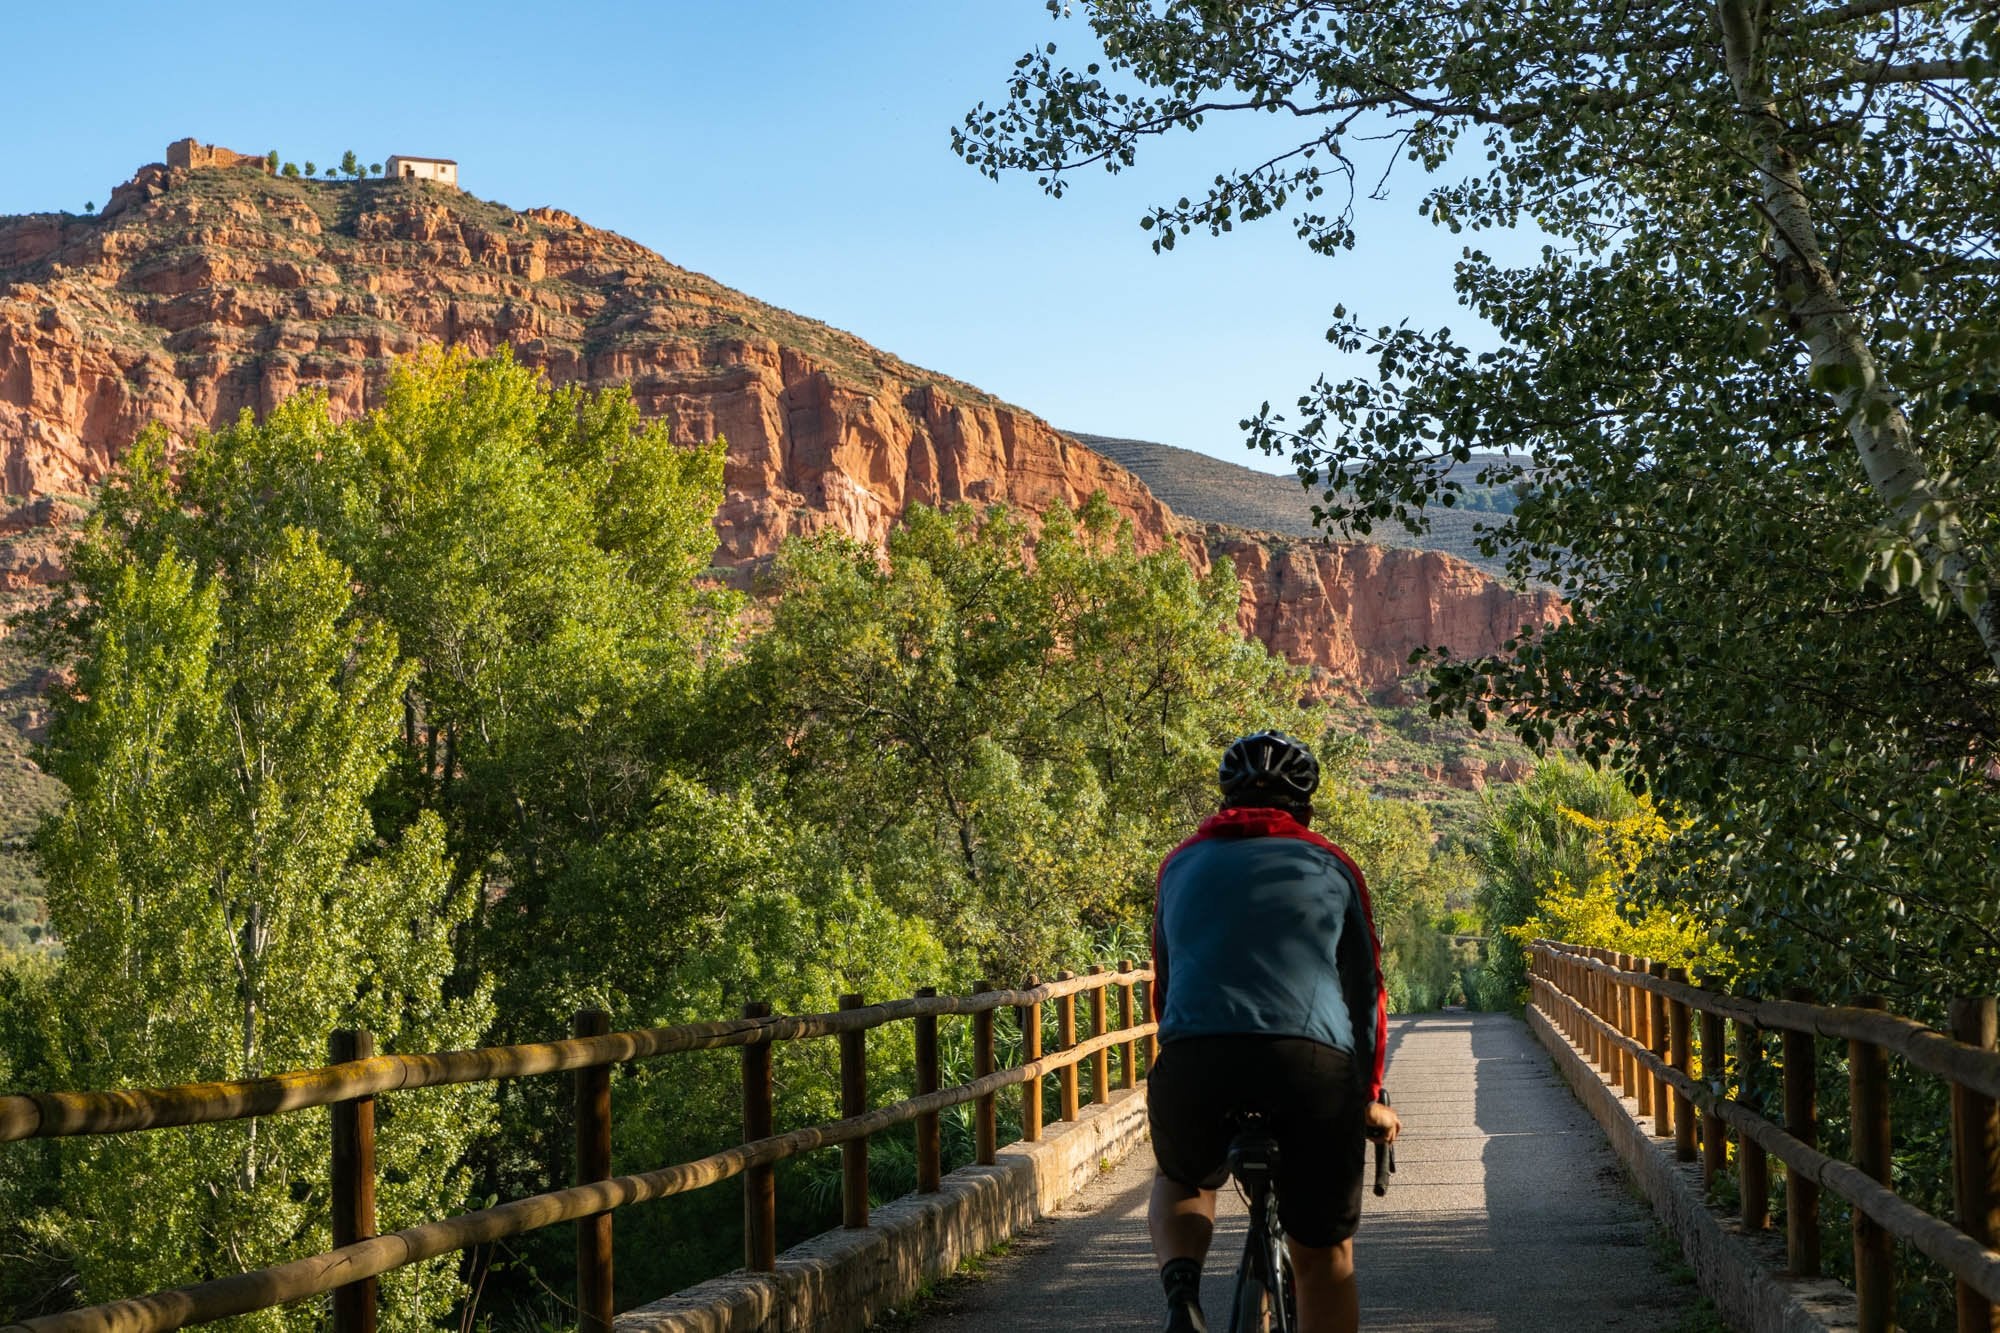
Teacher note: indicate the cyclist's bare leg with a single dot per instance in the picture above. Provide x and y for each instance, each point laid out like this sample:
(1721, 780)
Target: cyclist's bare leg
(1328, 1299)
(1182, 1220)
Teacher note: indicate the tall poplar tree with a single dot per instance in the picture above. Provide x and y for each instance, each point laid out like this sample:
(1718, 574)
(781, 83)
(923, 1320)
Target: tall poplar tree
(225, 903)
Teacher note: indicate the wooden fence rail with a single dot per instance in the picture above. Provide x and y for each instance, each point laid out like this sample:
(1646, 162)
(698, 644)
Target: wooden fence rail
(350, 1085)
(1597, 998)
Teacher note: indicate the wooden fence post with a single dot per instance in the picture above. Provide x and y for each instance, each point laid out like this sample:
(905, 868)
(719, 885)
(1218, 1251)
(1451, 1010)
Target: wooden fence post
(1753, 1174)
(1607, 998)
(1642, 1032)
(1573, 998)
(1031, 1051)
(1580, 981)
(1593, 982)
(853, 1102)
(1715, 1073)
(1678, 1024)
(1628, 1063)
(1565, 984)
(1600, 993)
(1614, 1073)
(1100, 1063)
(1868, 1103)
(985, 1120)
(1618, 1055)
(1802, 1123)
(930, 1161)
(1656, 1017)
(1066, 1039)
(1586, 1036)
(1975, 1145)
(354, 1305)
(1128, 1051)
(760, 1183)
(593, 1162)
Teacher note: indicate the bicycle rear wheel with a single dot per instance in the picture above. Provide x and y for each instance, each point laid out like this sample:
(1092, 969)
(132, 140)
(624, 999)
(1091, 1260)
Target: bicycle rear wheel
(1285, 1317)
(1266, 1298)
(1283, 1292)
(1253, 1305)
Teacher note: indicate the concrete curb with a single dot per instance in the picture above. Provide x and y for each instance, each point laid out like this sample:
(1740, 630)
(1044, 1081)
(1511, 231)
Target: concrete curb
(1743, 1273)
(840, 1281)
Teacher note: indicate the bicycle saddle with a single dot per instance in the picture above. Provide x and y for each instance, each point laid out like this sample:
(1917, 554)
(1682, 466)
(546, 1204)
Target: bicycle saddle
(1253, 1153)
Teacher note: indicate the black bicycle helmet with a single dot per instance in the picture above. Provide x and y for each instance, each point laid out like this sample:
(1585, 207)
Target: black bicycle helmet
(1268, 763)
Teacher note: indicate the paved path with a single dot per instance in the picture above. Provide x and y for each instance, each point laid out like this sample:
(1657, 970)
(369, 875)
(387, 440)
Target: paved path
(1506, 1213)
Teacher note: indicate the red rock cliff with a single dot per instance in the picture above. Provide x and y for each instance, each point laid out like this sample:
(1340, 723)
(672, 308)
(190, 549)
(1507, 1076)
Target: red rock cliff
(1358, 611)
(199, 293)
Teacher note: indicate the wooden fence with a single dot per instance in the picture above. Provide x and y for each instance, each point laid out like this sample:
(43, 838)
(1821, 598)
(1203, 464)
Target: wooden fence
(357, 1076)
(1636, 1020)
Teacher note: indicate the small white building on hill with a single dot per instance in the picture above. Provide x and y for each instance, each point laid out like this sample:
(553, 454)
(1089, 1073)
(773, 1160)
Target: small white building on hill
(440, 169)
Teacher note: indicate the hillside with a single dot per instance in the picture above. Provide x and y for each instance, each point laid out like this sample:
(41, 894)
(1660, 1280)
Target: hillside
(198, 294)
(1213, 490)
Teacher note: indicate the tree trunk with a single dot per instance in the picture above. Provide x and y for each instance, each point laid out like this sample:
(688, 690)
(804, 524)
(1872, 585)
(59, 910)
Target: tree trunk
(253, 918)
(1875, 420)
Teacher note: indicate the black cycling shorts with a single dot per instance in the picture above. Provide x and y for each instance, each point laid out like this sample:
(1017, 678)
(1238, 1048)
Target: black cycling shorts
(1312, 1101)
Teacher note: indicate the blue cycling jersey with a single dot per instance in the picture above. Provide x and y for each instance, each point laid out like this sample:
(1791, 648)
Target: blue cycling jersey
(1263, 929)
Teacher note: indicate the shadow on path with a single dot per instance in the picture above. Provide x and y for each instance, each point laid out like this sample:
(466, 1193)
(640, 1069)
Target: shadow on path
(1506, 1213)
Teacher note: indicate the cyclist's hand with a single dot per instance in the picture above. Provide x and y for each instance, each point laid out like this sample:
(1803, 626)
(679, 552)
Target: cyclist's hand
(1382, 1124)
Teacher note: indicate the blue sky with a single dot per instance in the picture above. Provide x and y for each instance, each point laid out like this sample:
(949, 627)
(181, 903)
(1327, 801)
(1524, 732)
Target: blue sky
(796, 151)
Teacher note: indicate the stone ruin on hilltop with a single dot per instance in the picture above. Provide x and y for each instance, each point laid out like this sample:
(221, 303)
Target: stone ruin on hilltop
(189, 155)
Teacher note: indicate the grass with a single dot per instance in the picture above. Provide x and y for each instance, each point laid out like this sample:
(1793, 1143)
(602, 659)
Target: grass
(939, 1299)
(1701, 1316)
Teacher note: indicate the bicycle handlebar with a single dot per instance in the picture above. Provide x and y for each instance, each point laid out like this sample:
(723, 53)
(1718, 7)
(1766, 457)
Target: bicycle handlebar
(1385, 1161)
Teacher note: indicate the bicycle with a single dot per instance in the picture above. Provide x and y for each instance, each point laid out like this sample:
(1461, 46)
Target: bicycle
(1266, 1297)
(1266, 1268)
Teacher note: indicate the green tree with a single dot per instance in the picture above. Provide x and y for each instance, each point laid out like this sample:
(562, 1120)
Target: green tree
(375, 167)
(710, 903)
(271, 161)
(540, 554)
(291, 171)
(225, 902)
(349, 165)
(1531, 843)
(40, 1267)
(521, 605)
(1007, 734)
(1750, 384)
(310, 169)
(536, 554)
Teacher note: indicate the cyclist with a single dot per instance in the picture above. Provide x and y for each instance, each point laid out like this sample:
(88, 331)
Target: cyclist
(1269, 998)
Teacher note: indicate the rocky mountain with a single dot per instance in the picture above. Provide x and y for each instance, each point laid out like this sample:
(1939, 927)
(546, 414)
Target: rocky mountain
(201, 292)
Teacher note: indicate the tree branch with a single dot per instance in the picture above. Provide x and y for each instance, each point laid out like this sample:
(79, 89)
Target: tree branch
(1870, 407)
(1833, 17)
(1921, 71)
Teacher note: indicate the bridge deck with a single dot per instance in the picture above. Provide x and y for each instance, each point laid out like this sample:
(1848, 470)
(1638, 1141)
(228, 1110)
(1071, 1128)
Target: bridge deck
(1506, 1212)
